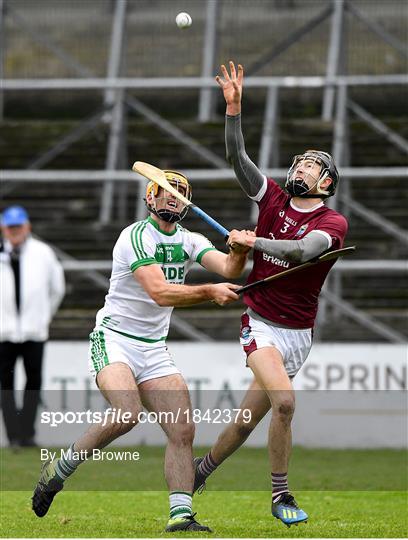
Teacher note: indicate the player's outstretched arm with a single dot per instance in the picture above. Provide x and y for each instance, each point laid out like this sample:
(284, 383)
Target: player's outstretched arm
(251, 179)
(248, 174)
(229, 265)
(171, 294)
(295, 251)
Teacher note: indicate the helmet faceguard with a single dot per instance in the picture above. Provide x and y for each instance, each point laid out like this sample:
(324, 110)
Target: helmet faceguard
(297, 187)
(181, 184)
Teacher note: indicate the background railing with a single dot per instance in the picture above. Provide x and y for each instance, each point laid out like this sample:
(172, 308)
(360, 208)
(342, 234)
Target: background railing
(108, 61)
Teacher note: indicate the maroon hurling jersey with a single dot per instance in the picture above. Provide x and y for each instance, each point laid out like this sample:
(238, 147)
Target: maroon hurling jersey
(292, 300)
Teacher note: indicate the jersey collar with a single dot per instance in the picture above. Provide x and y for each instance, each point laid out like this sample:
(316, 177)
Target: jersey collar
(156, 226)
(306, 210)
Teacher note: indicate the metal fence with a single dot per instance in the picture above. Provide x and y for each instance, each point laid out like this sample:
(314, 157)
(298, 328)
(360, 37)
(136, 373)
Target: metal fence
(116, 47)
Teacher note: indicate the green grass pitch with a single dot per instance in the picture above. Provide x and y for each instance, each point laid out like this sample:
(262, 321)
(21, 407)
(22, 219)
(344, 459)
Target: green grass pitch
(349, 493)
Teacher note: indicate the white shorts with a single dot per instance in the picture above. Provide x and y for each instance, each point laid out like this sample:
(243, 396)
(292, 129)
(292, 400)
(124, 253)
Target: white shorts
(146, 360)
(293, 344)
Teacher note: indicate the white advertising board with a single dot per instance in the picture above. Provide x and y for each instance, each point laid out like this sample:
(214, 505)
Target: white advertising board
(347, 395)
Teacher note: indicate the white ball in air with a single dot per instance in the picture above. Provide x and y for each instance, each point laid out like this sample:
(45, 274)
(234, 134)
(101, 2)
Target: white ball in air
(183, 20)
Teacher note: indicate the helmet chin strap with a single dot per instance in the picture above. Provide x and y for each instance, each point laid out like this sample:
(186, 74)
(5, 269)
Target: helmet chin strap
(166, 215)
(297, 187)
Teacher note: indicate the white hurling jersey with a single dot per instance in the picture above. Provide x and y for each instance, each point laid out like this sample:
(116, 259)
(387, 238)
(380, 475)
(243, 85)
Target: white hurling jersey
(128, 309)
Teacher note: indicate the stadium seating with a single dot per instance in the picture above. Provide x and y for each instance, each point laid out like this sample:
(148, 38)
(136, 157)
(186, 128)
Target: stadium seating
(66, 215)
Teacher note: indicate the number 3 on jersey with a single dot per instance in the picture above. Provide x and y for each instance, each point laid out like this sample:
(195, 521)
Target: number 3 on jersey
(285, 227)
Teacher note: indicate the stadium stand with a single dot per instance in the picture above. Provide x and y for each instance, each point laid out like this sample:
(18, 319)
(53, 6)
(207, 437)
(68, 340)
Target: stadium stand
(67, 214)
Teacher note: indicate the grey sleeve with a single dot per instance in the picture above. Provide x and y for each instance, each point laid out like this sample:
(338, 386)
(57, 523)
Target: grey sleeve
(249, 176)
(295, 251)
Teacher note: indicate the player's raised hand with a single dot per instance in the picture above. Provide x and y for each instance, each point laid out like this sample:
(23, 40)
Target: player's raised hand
(223, 293)
(231, 84)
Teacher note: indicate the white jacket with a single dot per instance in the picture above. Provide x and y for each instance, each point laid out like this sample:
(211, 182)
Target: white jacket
(42, 289)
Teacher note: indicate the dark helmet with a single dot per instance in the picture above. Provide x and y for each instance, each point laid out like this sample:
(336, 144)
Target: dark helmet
(177, 180)
(328, 170)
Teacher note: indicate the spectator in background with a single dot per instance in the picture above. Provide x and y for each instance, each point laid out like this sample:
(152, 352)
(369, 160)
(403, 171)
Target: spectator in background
(32, 286)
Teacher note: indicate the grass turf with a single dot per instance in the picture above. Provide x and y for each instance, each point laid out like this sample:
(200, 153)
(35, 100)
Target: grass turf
(230, 514)
(325, 481)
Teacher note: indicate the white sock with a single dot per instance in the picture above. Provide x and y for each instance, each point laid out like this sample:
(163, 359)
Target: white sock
(180, 504)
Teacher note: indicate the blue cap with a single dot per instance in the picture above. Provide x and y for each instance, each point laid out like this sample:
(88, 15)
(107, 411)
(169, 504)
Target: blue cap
(14, 215)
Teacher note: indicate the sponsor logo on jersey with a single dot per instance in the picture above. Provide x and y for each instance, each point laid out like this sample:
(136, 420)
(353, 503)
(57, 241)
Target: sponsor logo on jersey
(275, 260)
(170, 253)
(172, 258)
(173, 274)
(302, 230)
(291, 221)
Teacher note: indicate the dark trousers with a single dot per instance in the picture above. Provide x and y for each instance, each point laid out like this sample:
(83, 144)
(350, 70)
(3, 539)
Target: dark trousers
(20, 423)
